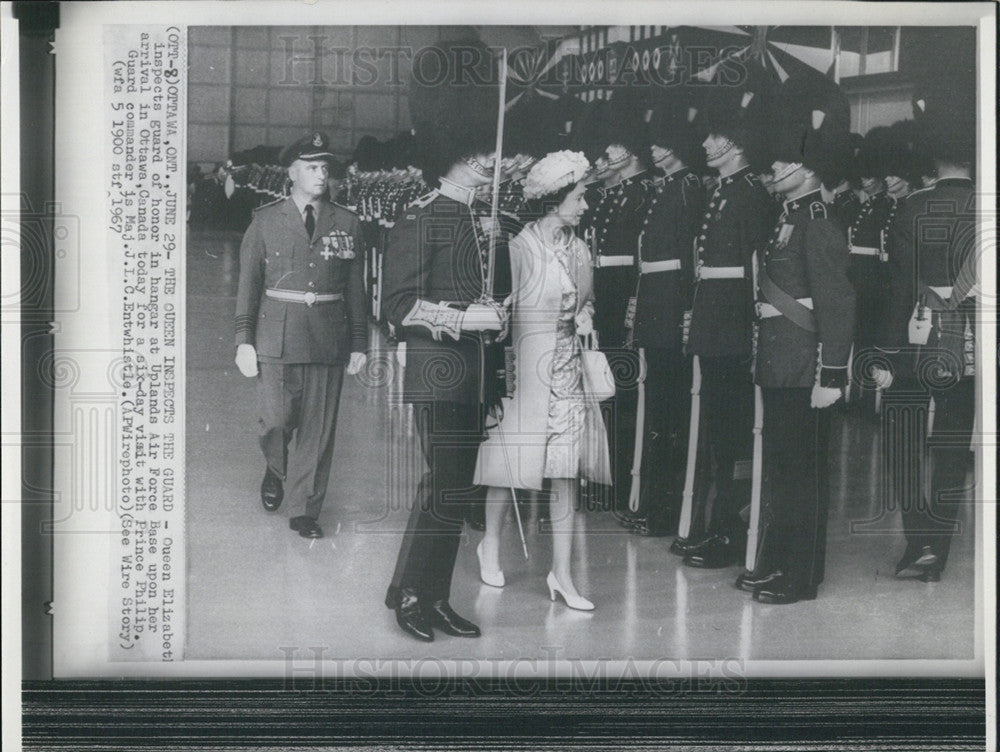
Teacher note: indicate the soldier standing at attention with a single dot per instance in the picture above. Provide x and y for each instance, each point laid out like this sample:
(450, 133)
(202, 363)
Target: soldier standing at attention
(928, 337)
(663, 295)
(806, 312)
(737, 219)
(436, 267)
(300, 318)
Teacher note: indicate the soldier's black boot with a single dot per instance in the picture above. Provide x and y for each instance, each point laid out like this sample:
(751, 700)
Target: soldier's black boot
(271, 491)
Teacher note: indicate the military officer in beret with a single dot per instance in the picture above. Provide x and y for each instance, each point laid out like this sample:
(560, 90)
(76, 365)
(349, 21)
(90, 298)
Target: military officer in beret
(806, 311)
(663, 295)
(300, 319)
(737, 219)
(927, 340)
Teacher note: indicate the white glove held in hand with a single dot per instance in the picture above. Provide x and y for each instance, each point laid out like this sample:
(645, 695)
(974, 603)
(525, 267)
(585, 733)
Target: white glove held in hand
(246, 360)
(882, 378)
(357, 362)
(584, 323)
(481, 318)
(824, 396)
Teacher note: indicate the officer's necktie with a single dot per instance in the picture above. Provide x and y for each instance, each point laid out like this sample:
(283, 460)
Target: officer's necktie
(310, 220)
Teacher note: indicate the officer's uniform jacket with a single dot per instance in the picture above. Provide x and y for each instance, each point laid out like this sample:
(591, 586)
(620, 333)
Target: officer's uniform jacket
(868, 230)
(737, 219)
(845, 207)
(932, 237)
(277, 255)
(667, 240)
(434, 267)
(617, 235)
(806, 257)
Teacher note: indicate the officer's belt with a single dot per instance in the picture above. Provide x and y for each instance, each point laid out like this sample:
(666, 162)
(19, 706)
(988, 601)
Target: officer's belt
(865, 250)
(651, 267)
(602, 260)
(721, 272)
(768, 311)
(308, 298)
(798, 311)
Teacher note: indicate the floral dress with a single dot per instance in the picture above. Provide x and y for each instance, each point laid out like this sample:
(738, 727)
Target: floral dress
(566, 428)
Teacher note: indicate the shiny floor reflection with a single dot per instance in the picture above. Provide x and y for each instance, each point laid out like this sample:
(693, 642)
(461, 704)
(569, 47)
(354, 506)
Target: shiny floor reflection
(256, 590)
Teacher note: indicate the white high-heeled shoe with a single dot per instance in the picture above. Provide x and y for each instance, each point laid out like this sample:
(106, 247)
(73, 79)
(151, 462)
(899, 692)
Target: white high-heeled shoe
(494, 579)
(573, 601)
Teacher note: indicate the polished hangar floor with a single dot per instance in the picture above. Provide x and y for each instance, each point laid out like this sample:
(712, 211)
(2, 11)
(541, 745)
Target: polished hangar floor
(256, 590)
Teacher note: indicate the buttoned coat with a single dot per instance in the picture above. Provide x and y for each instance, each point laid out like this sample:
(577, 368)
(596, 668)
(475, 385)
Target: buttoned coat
(537, 301)
(277, 254)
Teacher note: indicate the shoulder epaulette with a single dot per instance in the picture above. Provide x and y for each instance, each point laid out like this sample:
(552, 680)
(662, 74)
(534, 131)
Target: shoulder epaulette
(751, 179)
(270, 203)
(422, 201)
(817, 210)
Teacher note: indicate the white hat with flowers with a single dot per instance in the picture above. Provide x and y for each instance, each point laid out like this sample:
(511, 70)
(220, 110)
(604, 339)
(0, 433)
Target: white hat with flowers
(555, 171)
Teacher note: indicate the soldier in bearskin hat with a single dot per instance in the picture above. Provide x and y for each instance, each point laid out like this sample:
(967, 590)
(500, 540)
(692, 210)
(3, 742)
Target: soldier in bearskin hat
(927, 340)
(435, 271)
(663, 295)
(736, 222)
(805, 312)
(866, 238)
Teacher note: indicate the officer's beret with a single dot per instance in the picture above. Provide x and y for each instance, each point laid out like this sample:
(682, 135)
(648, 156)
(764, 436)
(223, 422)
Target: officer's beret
(314, 146)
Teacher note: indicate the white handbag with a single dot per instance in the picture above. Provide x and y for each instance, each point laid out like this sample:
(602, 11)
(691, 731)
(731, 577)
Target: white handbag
(598, 381)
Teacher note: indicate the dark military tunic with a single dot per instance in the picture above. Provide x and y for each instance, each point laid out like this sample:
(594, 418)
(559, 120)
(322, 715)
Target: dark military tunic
(739, 215)
(845, 208)
(867, 245)
(806, 260)
(302, 343)
(933, 238)
(437, 253)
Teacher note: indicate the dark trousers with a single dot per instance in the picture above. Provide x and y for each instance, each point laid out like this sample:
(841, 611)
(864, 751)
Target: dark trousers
(727, 399)
(796, 458)
(929, 515)
(303, 399)
(450, 435)
(665, 435)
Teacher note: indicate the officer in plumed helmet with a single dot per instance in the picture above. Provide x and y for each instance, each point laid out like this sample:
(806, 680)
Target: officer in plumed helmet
(300, 319)
(805, 311)
(737, 219)
(436, 296)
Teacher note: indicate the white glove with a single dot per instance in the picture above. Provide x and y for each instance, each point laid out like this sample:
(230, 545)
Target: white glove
(882, 378)
(481, 318)
(824, 396)
(246, 360)
(584, 323)
(357, 362)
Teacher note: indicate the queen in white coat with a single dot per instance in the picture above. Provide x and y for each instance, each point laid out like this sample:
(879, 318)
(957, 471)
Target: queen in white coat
(551, 428)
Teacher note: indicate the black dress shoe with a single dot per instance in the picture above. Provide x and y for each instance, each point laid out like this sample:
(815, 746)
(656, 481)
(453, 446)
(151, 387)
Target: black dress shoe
(782, 592)
(931, 574)
(410, 616)
(685, 546)
(716, 554)
(750, 581)
(271, 491)
(305, 526)
(441, 615)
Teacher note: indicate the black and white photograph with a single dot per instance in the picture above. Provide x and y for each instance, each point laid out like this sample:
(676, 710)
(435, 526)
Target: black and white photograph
(452, 345)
